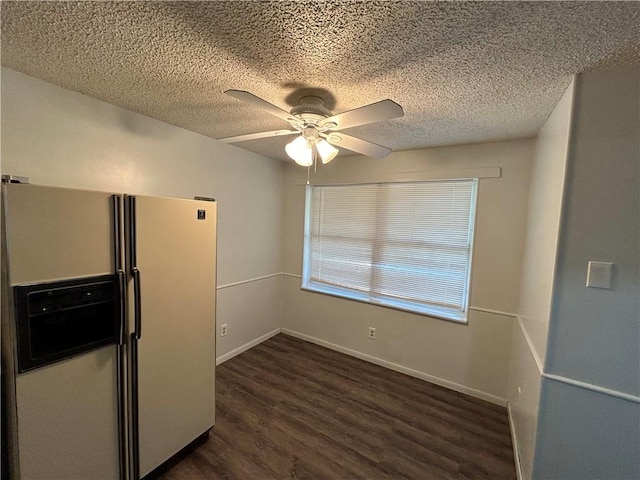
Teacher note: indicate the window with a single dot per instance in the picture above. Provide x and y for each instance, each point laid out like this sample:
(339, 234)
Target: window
(401, 245)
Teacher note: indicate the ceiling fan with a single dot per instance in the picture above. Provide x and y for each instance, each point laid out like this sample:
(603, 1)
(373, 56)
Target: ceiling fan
(317, 127)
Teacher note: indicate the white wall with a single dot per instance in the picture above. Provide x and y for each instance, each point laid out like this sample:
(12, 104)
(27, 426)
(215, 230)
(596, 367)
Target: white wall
(473, 358)
(590, 398)
(538, 269)
(61, 138)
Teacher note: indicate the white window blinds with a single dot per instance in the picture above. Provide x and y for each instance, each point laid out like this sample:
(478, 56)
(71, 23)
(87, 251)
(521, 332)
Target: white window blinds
(406, 245)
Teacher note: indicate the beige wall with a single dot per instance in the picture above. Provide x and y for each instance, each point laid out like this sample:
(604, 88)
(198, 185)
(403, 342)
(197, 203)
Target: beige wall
(472, 358)
(590, 395)
(61, 138)
(538, 269)
(543, 223)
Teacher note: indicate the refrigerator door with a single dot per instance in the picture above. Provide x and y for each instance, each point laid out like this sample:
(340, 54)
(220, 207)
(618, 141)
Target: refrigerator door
(173, 251)
(67, 412)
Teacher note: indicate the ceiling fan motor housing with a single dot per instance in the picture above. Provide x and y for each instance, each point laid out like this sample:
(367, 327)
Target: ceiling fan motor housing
(311, 110)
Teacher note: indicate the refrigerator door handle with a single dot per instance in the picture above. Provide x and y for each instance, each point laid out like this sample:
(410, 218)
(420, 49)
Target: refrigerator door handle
(132, 270)
(118, 267)
(122, 286)
(118, 254)
(135, 273)
(138, 303)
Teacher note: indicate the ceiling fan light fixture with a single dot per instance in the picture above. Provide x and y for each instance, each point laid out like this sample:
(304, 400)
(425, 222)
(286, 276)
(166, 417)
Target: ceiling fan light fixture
(314, 121)
(326, 151)
(300, 151)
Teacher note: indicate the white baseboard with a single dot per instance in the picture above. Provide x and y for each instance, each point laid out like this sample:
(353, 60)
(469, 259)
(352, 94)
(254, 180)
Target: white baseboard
(246, 346)
(400, 368)
(514, 441)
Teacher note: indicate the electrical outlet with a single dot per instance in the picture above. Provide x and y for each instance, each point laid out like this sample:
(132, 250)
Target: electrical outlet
(372, 333)
(223, 330)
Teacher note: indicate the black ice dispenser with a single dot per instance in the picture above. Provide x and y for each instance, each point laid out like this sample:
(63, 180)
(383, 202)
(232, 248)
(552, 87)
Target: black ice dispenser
(58, 320)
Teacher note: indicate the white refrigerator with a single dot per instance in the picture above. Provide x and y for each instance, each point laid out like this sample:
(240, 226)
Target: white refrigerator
(108, 330)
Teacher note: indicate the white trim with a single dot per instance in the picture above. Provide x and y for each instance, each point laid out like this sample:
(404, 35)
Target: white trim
(514, 442)
(242, 282)
(336, 292)
(532, 349)
(294, 275)
(570, 381)
(494, 312)
(476, 309)
(592, 387)
(400, 368)
(237, 351)
(411, 176)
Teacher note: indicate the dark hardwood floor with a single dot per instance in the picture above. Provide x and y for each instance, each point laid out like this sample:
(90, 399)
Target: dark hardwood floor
(291, 409)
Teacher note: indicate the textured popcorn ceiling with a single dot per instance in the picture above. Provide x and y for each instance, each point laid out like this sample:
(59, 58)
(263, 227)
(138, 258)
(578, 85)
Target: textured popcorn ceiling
(463, 71)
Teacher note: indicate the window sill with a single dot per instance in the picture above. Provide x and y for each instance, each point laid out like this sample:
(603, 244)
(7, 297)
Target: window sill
(427, 311)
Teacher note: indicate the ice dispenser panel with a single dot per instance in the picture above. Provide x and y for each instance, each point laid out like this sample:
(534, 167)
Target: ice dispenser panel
(62, 319)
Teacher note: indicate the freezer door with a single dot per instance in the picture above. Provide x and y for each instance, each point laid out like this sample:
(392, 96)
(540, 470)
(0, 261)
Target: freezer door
(67, 412)
(67, 419)
(57, 233)
(174, 342)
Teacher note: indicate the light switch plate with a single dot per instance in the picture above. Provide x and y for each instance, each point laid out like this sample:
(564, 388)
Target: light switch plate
(599, 274)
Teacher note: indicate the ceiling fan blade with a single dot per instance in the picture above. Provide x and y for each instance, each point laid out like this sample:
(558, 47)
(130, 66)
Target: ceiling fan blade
(357, 145)
(255, 136)
(260, 103)
(375, 112)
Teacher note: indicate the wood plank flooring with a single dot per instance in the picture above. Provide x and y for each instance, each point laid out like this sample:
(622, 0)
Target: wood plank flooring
(291, 409)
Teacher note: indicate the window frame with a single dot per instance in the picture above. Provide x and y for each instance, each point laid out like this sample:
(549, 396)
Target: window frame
(434, 311)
